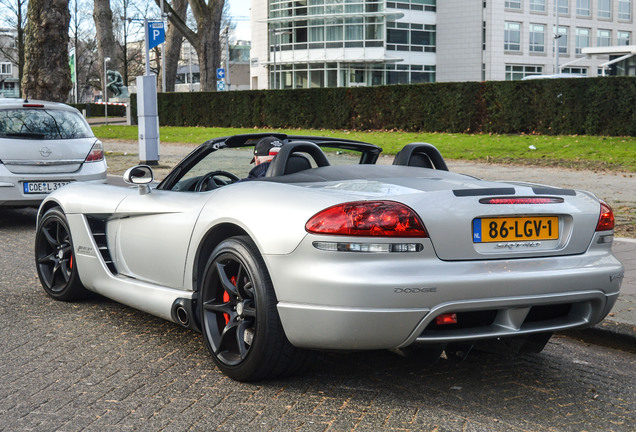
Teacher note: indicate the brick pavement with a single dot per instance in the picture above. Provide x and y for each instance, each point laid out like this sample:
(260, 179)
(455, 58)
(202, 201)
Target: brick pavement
(100, 366)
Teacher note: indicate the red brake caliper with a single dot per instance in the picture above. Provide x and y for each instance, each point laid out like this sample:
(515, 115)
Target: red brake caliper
(226, 298)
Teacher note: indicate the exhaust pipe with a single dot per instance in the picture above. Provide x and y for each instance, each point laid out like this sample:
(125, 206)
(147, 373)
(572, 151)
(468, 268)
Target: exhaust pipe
(183, 313)
(182, 316)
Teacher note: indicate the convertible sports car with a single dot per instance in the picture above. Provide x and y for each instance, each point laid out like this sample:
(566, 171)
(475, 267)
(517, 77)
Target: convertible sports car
(324, 255)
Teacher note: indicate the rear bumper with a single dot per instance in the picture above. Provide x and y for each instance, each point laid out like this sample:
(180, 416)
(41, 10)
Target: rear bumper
(335, 300)
(358, 328)
(12, 193)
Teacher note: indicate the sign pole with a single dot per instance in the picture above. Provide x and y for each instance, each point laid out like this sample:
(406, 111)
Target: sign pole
(147, 46)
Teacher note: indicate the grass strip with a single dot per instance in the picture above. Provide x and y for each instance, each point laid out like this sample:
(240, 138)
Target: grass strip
(576, 152)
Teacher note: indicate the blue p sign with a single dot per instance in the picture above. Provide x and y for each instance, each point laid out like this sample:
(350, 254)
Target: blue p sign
(156, 34)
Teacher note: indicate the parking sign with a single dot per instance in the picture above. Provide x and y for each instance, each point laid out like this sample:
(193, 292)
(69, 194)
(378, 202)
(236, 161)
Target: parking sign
(156, 34)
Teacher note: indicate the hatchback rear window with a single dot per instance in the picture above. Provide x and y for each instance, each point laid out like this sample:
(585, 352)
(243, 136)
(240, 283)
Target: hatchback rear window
(42, 124)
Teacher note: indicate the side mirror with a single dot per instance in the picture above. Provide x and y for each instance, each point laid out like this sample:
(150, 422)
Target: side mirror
(140, 175)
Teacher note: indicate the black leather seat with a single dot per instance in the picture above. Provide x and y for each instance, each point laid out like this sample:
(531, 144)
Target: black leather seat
(422, 155)
(297, 162)
(289, 160)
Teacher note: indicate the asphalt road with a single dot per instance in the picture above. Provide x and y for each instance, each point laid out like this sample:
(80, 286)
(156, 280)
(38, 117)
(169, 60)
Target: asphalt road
(98, 365)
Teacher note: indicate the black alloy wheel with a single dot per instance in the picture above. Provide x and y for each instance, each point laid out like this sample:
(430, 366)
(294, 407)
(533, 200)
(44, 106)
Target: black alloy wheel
(240, 323)
(55, 259)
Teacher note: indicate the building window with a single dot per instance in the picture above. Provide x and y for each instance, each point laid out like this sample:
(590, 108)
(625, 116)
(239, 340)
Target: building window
(537, 38)
(582, 39)
(314, 75)
(603, 38)
(625, 10)
(513, 4)
(512, 36)
(574, 70)
(537, 5)
(425, 5)
(623, 38)
(410, 37)
(517, 72)
(562, 40)
(605, 9)
(564, 7)
(6, 69)
(583, 8)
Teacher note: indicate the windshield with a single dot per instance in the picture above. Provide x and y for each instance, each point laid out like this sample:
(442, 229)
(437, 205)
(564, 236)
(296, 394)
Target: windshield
(42, 124)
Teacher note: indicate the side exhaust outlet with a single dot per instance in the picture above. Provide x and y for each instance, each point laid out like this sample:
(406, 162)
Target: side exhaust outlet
(183, 314)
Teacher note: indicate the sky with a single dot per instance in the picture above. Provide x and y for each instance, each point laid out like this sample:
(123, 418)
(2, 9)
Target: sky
(241, 8)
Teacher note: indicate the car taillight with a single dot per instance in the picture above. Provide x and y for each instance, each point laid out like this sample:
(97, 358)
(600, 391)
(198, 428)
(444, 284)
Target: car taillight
(606, 218)
(96, 154)
(367, 218)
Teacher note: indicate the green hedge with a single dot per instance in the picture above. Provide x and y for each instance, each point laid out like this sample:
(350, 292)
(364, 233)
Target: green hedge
(590, 106)
(97, 110)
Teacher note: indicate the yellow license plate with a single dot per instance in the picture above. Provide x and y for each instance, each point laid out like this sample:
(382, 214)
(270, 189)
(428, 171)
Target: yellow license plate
(515, 229)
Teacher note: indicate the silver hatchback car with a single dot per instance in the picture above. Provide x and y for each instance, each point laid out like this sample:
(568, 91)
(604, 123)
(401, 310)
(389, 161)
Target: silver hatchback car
(44, 146)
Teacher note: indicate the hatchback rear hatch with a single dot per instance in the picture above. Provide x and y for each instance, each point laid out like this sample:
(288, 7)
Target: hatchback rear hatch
(38, 140)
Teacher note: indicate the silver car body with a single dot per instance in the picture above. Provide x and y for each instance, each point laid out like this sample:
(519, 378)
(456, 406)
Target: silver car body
(30, 168)
(334, 298)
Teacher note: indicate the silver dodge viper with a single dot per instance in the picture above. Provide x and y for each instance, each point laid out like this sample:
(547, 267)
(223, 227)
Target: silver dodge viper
(332, 253)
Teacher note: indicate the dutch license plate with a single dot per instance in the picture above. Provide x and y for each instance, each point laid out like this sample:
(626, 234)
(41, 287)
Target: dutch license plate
(42, 187)
(515, 229)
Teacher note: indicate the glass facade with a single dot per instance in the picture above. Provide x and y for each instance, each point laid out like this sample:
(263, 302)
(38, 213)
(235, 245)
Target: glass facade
(343, 29)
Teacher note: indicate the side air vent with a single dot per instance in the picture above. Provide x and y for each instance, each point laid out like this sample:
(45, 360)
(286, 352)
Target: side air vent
(98, 230)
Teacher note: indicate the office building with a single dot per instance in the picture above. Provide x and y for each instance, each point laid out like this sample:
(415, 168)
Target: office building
(333, 43)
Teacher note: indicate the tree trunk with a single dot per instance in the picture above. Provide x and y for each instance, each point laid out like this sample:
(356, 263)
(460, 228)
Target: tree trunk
(209, 47)
(47, 75)
(20, 43)
(206, 39)
(174, 41)
(106, 46)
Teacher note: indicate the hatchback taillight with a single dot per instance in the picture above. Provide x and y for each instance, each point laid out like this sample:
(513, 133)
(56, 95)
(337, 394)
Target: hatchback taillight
(606, 218)
(367, 218)
(96, 154)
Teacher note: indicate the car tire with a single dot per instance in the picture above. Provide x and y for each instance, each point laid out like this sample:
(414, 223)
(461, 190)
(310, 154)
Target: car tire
(55, 259)
(239, 320)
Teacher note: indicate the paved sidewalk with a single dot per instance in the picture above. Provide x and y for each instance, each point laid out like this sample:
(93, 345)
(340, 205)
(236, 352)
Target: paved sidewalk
(622, 320)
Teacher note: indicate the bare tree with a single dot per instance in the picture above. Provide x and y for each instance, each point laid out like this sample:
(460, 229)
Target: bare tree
(15, 17)
(46, 72)
(82, 40)
(106, 46)
(206, 38)
(174, 41)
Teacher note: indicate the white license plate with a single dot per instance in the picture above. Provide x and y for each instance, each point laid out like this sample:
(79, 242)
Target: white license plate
(42, 187)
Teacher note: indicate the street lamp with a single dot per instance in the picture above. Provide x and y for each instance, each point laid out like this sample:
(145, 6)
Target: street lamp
(557, 36)
(106, 60)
